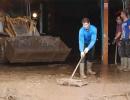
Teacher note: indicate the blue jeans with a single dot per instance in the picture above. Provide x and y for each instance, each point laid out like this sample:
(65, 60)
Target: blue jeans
(124, 48)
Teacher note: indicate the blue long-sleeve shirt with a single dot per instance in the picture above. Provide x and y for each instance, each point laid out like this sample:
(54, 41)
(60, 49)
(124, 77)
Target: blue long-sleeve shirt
(87, 37)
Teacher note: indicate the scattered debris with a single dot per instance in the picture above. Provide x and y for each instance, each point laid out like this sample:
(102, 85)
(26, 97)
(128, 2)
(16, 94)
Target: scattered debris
(71, 82)
(110, 97)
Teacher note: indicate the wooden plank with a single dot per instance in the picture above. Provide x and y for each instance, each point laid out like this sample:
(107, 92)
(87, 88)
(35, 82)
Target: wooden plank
(8, 27)
(13, 30)
(105, 35)
(105, 1)
(9, 33)
(31, 27)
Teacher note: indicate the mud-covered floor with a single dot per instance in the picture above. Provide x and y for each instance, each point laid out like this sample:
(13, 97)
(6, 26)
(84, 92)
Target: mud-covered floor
(38, 82)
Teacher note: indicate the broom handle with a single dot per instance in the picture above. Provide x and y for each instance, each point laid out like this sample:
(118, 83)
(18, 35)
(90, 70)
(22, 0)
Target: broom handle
(76, 68)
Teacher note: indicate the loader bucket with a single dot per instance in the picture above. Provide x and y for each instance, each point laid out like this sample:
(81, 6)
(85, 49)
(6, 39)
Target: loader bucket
(36, 49)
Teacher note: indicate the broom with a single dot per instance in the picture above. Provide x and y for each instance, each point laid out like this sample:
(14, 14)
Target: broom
(70, 81)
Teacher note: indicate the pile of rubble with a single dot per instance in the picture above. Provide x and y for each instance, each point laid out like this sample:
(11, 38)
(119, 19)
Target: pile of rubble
(20, 26)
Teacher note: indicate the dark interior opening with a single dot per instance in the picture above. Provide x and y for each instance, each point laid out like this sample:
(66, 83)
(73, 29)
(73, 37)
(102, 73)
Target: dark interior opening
(64, 20)
(114, 7)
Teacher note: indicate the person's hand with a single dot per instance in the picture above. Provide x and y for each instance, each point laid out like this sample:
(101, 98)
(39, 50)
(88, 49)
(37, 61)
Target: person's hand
(86, 50)
(82, 54)
(114, 41)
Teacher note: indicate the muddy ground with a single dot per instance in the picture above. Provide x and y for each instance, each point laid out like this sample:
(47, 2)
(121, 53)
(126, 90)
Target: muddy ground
(38, 82)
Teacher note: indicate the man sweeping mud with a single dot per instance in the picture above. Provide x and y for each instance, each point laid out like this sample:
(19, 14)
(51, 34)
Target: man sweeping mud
(87, 39)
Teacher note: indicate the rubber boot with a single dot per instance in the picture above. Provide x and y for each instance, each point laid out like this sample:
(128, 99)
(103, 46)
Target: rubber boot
(81, 71)
(126, 63)
(89, 69)
(123, 62)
